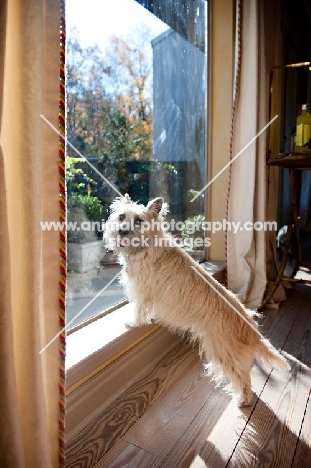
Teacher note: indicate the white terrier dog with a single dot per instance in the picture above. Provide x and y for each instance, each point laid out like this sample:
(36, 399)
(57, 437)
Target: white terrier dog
(165, 283)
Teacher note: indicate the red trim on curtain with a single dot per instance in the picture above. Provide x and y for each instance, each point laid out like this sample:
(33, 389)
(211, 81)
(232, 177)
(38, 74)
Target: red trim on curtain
(62, 238)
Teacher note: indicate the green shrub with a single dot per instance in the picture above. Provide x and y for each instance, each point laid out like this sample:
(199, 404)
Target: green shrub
(194, 221)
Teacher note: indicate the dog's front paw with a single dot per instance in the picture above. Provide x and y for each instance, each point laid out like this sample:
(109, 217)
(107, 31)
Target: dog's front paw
(130, 325)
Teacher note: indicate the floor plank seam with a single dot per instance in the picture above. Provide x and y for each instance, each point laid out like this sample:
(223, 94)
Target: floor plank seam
(289, 331)
(181, 350)
(248, 419)
(298, 437)
(300, 311)
(166, 392)
(189, 426)
(265, 318)
(265, 383)
(284, 313)
(306, 406)
(145, 450)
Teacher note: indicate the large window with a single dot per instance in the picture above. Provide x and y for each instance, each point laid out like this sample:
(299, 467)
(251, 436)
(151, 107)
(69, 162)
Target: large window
(136, 124)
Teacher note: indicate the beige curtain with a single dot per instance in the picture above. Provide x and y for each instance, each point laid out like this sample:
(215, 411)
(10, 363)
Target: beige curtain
(29, 86)
(248, 201)
(246, 271)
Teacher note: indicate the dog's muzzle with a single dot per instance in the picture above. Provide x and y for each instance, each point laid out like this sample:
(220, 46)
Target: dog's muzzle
(123, 232)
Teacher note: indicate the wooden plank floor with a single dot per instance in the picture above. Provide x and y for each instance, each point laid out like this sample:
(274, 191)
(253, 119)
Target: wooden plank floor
(190, 423)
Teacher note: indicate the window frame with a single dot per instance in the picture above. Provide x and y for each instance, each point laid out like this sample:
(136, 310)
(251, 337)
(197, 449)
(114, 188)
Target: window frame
(220, 68)
(93, 365)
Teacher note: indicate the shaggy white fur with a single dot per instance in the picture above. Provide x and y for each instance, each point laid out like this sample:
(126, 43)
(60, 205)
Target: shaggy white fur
(163, 283)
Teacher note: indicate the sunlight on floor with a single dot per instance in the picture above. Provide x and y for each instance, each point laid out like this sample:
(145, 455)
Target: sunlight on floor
(198, 463)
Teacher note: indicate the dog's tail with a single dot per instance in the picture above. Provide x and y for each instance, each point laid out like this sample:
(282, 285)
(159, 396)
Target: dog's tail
(265, 350)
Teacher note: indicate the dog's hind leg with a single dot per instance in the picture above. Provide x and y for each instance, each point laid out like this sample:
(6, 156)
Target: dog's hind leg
(237, 371)
(245, 395)
(232, 368)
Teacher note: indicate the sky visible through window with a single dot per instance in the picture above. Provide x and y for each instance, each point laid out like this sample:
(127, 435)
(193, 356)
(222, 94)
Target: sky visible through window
(94, 22)
(97, 20)
(132, 113)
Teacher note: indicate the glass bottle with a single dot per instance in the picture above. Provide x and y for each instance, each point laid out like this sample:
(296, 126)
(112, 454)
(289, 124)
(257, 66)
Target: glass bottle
(303, 131)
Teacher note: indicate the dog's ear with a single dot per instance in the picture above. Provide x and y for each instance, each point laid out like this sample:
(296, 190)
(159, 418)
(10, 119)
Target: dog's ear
(154, 206)
(126, 198)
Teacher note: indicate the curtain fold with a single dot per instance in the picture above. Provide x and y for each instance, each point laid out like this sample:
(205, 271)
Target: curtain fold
(246, 270)
(29, 86)
(252, 197)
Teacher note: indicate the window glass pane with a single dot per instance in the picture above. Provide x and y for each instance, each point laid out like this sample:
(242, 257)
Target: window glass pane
(136, 121)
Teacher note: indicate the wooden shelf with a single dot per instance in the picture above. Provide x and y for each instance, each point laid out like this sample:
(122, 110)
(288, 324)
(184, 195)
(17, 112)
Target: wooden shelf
(297, 161)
